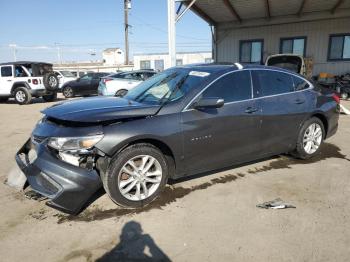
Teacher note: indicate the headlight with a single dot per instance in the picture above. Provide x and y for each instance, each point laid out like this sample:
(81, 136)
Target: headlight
(74, 143)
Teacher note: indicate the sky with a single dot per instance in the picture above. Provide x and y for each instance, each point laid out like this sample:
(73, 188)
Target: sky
(81, 28)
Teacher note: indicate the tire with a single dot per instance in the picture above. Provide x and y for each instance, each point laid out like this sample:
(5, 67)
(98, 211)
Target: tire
(50, 98)
(68, 92)
(50, 81)
(121, 92)
(344, 95)
(22, 96)
(114, 175)
(308, 149)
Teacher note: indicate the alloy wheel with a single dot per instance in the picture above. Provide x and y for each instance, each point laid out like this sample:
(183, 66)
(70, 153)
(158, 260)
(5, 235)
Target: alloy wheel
(312, 138)
(20, 96)
(52, 81)
(68, 92)
(140, 177)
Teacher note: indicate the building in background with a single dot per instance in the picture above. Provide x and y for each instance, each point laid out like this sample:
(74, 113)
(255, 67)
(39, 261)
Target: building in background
(113, 56)
(161, 61)
(249, 31)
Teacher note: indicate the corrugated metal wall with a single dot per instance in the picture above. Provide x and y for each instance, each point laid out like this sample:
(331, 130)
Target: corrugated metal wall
(317, 33)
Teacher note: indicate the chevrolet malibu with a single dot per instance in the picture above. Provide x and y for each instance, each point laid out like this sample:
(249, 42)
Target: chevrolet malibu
(183, 121)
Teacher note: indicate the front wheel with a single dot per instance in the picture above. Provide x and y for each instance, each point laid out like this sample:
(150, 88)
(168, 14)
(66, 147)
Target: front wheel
(310, 139)
(22, 96)
(68, 92)
(136, 176)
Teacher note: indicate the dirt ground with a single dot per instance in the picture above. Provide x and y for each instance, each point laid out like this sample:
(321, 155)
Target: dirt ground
(208, 218)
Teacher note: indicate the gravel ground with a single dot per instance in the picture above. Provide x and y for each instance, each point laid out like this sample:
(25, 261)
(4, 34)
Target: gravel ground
(208, 218)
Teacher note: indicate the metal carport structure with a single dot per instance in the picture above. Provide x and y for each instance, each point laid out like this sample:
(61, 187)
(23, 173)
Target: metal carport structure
(235, 20)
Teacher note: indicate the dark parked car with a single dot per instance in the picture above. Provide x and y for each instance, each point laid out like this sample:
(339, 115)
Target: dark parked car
(183, 121)
(85, 85)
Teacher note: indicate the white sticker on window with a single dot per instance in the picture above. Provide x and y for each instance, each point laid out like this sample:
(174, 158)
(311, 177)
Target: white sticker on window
(200, 74)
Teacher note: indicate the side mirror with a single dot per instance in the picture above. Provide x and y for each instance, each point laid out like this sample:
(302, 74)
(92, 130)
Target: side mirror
(213, 102)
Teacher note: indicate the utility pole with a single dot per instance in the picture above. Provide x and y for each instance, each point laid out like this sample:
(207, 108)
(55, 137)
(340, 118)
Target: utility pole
(59, 58)
(127, 6)
(172, 32)
(14, 50)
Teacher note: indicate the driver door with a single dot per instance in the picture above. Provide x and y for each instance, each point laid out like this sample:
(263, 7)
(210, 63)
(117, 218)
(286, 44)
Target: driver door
(220, 137)
(6, 80)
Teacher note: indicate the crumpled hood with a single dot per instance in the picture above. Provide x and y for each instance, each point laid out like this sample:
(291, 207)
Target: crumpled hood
(99, 109)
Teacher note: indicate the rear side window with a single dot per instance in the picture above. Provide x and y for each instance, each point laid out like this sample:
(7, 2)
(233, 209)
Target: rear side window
(232, 87)
(300, 84)
(272, 82)
(6, 71)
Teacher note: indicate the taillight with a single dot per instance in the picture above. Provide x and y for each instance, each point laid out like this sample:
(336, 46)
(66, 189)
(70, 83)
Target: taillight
(35, 81)
(336, 98)
(105, 80)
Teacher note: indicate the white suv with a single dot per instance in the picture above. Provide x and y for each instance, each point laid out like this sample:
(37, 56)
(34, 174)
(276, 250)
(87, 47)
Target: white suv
(64, 77)
(24, 80)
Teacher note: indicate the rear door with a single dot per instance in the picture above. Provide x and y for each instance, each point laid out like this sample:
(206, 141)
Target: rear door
(216, 138)
(6, 80)
(94, 83)
(83, 86)
(282, 110)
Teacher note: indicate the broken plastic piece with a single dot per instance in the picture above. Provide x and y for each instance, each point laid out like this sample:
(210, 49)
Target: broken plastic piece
(275, 204)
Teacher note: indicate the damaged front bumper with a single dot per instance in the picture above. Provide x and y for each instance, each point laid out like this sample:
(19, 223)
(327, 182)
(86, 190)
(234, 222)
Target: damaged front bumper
(68, 187)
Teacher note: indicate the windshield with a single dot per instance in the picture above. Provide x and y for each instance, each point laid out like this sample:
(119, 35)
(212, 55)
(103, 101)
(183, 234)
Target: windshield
(67, 74)
(170, 85)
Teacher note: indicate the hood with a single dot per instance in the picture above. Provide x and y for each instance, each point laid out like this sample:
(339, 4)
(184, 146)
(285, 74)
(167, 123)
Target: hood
(99, 109)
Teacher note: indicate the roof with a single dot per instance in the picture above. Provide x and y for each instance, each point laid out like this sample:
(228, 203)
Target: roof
(112, 49)
(24, 62)
(241, 10)
(178, 53)
(227, 67)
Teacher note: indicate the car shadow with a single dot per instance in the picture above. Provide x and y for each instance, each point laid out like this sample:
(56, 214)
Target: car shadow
(134, 245)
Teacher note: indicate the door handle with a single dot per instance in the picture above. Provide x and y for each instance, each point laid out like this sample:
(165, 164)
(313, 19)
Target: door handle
(251, 110)
(9, 80)
(299, 101)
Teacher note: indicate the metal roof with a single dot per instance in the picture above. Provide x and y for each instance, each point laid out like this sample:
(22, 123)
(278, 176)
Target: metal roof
(220, 11)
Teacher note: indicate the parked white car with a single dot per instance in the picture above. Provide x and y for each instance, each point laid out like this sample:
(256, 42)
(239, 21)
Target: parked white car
(64, 77)
(120, 83)
(24, 80)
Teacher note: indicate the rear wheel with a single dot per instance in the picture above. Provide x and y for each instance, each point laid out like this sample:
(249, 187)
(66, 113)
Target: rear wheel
(68, 92)
(310, 138)
(22, 96)
(136, 176)
(121, 92)
(50, 97)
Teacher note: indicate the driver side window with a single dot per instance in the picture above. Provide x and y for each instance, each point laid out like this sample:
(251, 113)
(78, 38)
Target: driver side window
(86, 77)
(233, 87)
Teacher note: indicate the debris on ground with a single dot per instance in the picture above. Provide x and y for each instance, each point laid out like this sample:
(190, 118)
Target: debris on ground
(16, 178)
(278, 203)
(31, 194)
(344, 110)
